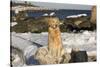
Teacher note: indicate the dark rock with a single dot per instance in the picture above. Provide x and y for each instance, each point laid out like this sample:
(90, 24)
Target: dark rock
(81, 23)
(30, 25)
(32, 61)
(79, 56)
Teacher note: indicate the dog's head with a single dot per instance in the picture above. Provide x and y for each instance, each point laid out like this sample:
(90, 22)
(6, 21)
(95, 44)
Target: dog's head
(53, 22)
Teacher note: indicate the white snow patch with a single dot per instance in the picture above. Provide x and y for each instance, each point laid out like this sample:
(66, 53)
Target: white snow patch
(13, 23)
(52, 13)
(92, 53)
(45, 14)
(76, 16)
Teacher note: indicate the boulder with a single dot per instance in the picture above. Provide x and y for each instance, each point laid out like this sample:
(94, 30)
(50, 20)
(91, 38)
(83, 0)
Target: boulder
(78, 56)
(32, 61)
(93, 15)
(44, 57)
(17, 57)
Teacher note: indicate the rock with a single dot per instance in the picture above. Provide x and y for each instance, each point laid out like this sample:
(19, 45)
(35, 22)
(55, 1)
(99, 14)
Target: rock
(30, 25)
(78, 22)
(17, 57)
(43, 56)
(78, 56)
(85, 25)
(93, 15)
(92, 58)
(32, 61)
(66, 58)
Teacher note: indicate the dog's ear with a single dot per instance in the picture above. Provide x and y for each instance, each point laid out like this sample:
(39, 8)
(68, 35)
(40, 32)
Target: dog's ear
(52, 20)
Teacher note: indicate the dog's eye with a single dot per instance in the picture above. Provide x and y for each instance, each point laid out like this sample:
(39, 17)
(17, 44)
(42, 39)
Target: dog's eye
(56, 25)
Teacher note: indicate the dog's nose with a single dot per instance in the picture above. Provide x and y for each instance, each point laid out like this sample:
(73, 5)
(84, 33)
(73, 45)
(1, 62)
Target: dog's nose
(54, 26)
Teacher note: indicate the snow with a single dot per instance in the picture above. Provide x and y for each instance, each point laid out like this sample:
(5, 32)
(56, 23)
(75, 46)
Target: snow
(52, 13)
(22, 42)
(79, 39)
(45, 14)
(76, 16)
(13, 23)
(79, 15)
(84, 41)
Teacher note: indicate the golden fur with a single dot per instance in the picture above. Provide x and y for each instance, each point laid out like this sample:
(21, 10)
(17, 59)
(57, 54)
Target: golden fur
(54, 37)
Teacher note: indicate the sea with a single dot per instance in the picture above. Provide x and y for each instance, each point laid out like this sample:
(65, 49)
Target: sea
(61, 13)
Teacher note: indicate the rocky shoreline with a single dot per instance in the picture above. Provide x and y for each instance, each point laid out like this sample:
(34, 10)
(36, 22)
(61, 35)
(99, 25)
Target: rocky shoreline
(78, 36)
(39, 25)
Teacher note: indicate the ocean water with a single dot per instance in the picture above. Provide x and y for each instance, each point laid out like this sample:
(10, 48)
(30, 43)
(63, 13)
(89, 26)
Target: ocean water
(61, 14)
